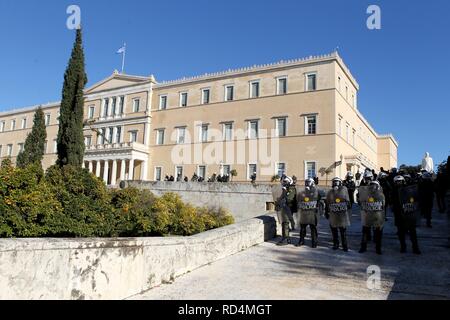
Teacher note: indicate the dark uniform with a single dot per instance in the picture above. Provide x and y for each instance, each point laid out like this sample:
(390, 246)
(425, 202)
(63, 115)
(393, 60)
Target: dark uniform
(426, 197)
(292, 203)
(405, 221)
(351, 187)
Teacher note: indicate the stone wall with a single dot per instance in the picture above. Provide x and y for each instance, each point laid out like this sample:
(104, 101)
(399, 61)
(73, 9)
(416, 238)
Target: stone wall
(116, 268)
(243, 200)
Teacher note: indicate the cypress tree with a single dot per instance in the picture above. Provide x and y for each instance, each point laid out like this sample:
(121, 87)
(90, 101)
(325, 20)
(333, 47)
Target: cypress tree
(33, 150)
(70, 141)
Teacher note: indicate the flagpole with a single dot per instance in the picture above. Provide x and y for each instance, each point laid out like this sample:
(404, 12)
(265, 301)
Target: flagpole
(123, 56)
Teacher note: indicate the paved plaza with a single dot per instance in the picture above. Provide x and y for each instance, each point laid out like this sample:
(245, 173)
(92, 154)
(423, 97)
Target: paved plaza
(271, 272)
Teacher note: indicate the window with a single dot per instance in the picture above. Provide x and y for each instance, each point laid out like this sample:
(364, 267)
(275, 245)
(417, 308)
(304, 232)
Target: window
(183, 99)
(136, 103)
(203, 134)
(47, 119)
(227, 131)
(339, 84)
(206, 93)
(160, 136)
(181, 135)
(101, 136)
(105, 107)
(1, 150)
(55, 146)
(252, 169)
(201, 172)
(133, 136)
(310, 170)
(311, 82)
(253, 129)
(346, 93)
(353, 137)
(281, 169)
(229, 93)
(88, 141)
(254, 89)
(311, 124)
(163, 102)
(113, 106)
(13, 125)
(45, 147)
(24, 123)
(179, 173)
(282, 85)
(91, 112)
(340, 126)
(158, 173)
(110, 135)
(20, 147)
(226, 169)
(121, 105)
(2, 126)
(9, 150)
(118, 135)
(347, 133)
(280, 127)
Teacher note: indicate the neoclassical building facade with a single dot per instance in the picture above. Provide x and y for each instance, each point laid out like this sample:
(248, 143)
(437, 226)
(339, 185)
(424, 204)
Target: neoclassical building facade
(298, 117)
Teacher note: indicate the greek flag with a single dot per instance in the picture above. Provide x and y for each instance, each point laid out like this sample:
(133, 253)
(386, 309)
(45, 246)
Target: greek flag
(121, 50)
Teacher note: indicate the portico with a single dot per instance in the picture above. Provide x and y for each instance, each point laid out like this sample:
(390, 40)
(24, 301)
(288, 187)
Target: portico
(116, 162)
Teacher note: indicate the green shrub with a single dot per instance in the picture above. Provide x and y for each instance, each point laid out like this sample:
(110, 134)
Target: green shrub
(27, 205)
(85, 201)
(71, 202)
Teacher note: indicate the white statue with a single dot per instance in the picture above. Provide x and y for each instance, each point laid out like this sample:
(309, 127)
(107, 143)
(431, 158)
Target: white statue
(427, 163)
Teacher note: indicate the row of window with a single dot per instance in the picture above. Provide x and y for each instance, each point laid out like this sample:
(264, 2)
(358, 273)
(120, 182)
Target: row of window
(229, 91)
(23, 125)
(114, 106)
(227, 130)
(252, 168)
(111, 135)
(10, 149)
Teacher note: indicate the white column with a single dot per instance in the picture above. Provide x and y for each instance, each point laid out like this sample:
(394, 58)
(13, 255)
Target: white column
(102, 108)
(110, 107)
(122, 169)
(106, 171)
(144, 170)
(131, 170)
(97, 169)
(83, 165)
(91, 167)
(114, 139)
(114, 173)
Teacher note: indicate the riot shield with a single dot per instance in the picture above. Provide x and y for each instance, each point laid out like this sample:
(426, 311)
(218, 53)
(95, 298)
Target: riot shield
(338, 202)
(409, 201)
(281, 204)
(372, 206)
(308, 206)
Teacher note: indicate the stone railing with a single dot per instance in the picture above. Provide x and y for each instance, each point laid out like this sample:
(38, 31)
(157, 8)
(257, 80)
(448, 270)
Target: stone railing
(117, 146)
(243, 200)
(116, 268)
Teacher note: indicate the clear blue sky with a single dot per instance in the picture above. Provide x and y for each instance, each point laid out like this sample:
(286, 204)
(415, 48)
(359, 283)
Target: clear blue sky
(403, 69)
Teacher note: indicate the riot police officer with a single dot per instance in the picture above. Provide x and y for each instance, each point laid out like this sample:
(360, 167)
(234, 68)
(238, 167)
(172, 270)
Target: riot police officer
(292, 199)
(308, 212)
(280, 196)
(383, 179)
(404, 204)
(372, 203)
(337, 212)
(426, 196)
(351, 186)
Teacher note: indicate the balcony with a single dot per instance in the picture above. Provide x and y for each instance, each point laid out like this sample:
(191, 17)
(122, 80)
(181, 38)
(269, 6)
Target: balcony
(121, 147)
